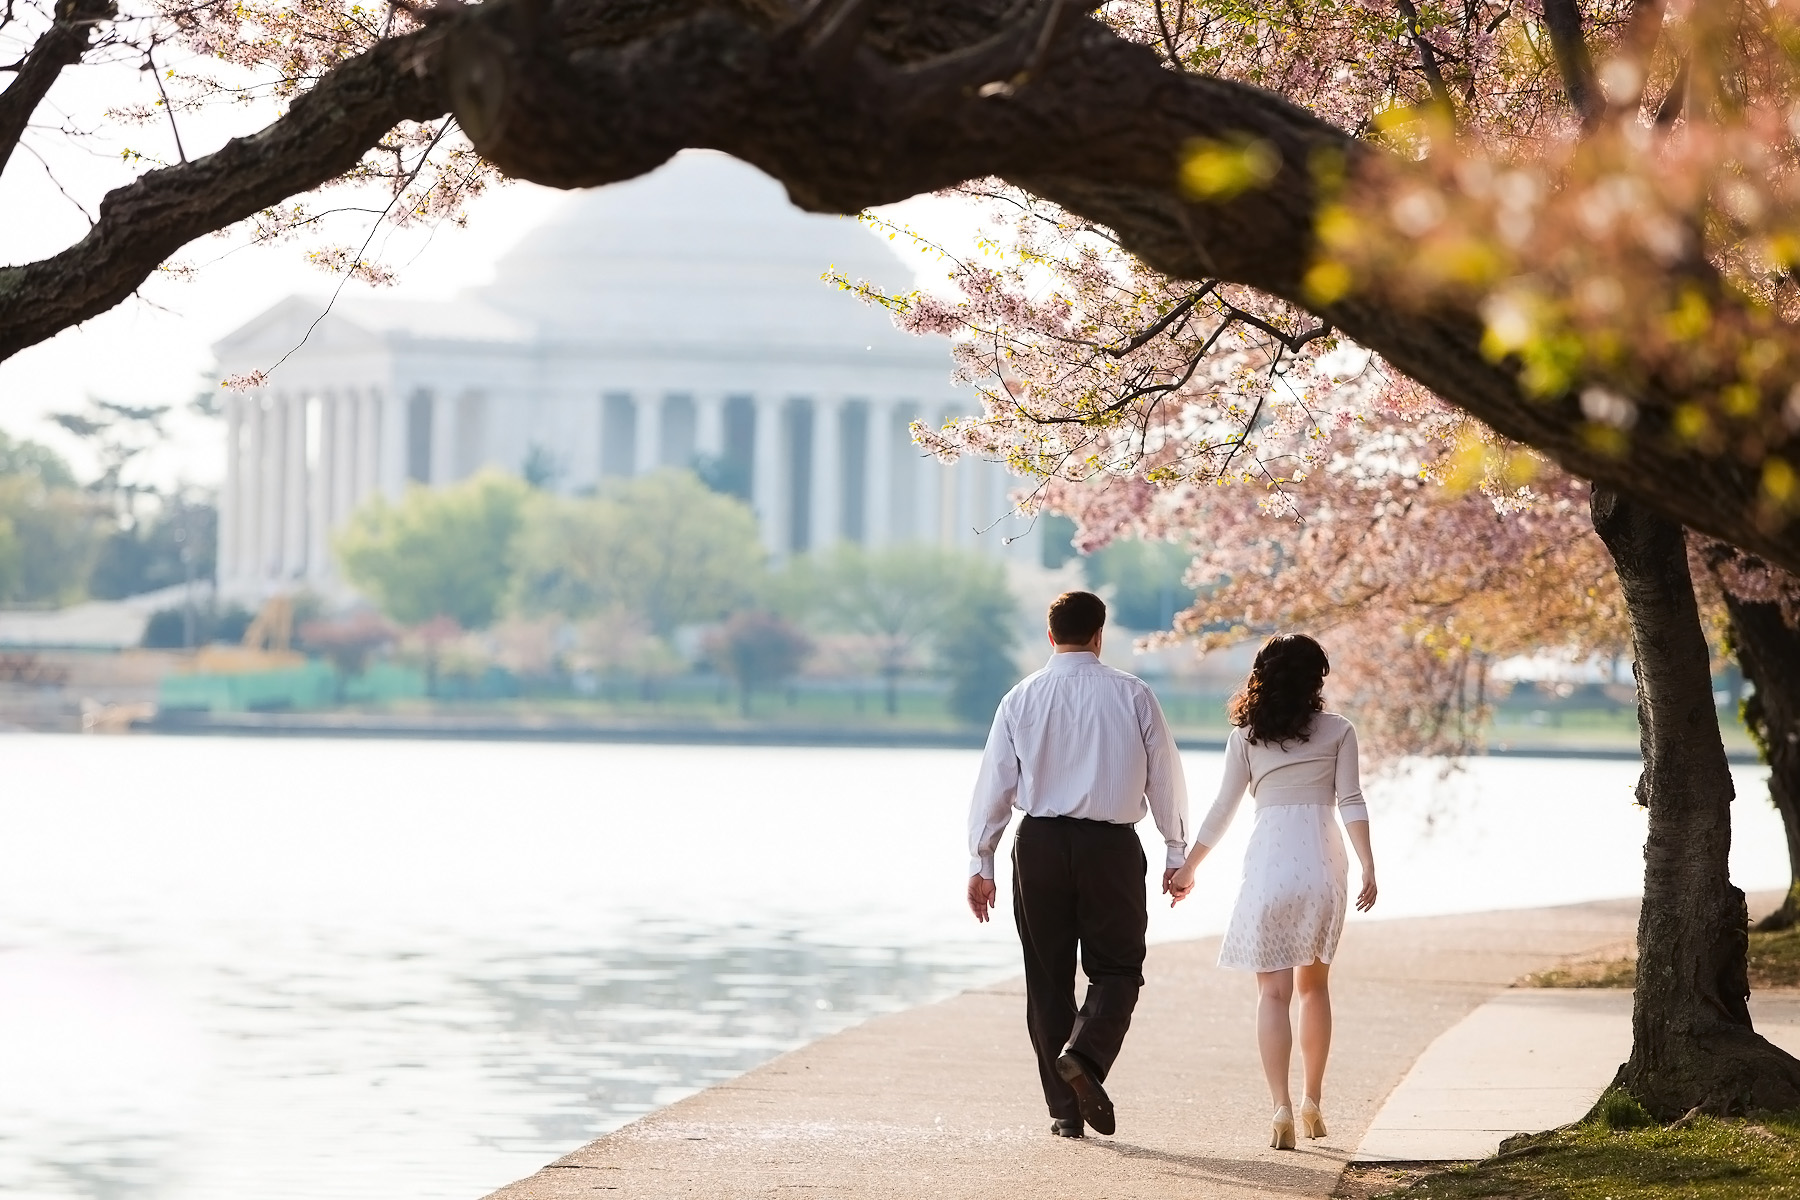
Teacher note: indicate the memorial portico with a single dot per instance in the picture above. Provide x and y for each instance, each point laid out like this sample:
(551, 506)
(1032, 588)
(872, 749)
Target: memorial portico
(677, 320)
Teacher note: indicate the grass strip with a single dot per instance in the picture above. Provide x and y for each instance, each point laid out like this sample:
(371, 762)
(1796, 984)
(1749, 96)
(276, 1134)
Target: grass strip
(1774, 963)
(1620, 1153)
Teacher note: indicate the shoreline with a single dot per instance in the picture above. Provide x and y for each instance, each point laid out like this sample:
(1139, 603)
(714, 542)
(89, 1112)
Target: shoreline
(874, 737)
(943, 1099)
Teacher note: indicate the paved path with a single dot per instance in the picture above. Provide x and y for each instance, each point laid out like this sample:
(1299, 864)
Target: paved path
(942, 1102)
(1526, 1060)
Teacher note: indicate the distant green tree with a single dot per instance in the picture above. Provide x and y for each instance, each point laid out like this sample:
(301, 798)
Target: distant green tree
(663, 548)
(542, 467)
(48, 539)
(175, 545)
(1146, 581)
(49, 529)
(898, 596)
(24, 457)
(439, 552)
(976, 642)
(757, 650)
(117, 435)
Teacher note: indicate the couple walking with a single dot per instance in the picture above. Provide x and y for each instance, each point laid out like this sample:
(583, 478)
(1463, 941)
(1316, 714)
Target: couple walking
(1083, 750)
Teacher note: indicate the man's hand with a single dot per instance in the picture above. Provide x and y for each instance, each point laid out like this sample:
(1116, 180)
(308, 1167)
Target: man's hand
(981, 896)
(1177, 883)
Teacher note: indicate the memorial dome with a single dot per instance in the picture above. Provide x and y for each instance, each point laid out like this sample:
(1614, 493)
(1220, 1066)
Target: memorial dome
(704, 253)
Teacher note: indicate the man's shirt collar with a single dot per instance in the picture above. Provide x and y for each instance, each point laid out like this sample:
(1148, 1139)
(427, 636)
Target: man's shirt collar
(1064, 660)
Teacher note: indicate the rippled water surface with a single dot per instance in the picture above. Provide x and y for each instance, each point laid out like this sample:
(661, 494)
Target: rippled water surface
(273, 969)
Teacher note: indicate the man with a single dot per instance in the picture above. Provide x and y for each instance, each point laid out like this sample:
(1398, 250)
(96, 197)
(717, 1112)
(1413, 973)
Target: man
(1082, 750)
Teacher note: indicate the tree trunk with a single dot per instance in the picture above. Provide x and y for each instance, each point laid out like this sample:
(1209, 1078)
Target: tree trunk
(1768, 650)
(1692, 1044)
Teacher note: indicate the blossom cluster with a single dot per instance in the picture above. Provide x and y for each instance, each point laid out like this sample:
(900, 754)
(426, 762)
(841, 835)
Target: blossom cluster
(1647, 266)
(1315, 486)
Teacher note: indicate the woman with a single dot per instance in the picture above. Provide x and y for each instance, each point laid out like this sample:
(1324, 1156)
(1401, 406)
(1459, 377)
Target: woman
(1299, 762)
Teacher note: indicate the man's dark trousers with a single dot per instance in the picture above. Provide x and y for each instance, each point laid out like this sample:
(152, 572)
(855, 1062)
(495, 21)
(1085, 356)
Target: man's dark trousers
(1079, 882)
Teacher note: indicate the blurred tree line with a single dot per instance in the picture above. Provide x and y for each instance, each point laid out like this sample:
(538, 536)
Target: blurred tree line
(1145, 581)
(63, 540)
(642, 561)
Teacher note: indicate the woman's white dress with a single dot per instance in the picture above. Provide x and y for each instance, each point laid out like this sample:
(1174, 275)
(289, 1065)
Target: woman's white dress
(1290, 906)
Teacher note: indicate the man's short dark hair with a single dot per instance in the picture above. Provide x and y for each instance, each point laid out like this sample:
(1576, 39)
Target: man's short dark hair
(1075, 617)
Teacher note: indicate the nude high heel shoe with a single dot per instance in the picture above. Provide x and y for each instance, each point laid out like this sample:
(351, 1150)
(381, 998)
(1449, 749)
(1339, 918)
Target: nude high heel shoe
(1281, 1135)
(1312, 1121)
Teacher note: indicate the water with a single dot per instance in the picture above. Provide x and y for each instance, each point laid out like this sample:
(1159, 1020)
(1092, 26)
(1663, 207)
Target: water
(420, 969)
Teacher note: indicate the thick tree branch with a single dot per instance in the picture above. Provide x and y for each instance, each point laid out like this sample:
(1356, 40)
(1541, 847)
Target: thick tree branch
(324, 134)
(61, 45)
(576, 95)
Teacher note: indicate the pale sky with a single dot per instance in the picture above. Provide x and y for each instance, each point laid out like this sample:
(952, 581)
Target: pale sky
(155, 348)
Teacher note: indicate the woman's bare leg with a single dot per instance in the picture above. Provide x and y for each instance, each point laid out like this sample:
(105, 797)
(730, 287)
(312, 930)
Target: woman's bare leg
(1274, 1033)
(1314, 985)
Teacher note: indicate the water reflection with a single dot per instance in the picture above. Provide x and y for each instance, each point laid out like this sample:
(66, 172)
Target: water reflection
(427, 1072)
(616, 1034)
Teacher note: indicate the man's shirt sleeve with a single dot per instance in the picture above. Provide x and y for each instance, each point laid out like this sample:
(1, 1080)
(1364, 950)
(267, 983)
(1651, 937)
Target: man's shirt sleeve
(1165, 786)
(996, 787)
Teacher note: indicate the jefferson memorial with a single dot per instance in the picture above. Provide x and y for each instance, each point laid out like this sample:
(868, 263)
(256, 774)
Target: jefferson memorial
(674, 320)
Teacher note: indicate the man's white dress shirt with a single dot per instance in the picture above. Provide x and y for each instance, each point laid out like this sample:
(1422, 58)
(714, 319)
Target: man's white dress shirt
(1078, 739)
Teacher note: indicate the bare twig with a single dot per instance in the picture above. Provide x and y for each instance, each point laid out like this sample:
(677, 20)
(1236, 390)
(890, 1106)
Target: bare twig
(374, 227)
(1166, 320)
(150, 66)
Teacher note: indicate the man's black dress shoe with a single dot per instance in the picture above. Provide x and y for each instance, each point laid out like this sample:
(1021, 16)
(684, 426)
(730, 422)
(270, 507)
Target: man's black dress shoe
(1096, 1106)
(1067, 1127)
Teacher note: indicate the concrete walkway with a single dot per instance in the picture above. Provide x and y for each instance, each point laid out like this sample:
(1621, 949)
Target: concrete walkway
(1526, 1060)
(942, 1102)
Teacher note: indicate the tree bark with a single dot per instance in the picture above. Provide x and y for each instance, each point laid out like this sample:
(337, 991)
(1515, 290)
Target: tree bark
(62, 45)
(1768, 649)
(1562, 18)
(1692, 1045)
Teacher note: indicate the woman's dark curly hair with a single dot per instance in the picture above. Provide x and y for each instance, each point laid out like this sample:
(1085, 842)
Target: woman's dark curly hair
(1285, 689)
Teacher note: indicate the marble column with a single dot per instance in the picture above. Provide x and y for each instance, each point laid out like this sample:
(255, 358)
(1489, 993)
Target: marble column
(294, 491)
(709, 426)
(369, 444)
(273, 467)
(319, 490)
(878, 505)
(826, 526)
(391, 469)
(646, 454)
(225, 569)
(252, 463)
(765, 476)
(344, 462)
(443, 440)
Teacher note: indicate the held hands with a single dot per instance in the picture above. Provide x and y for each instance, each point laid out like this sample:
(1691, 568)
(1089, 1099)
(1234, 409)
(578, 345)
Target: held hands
(1365, 899)
(1178, 882)
(981, 896)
